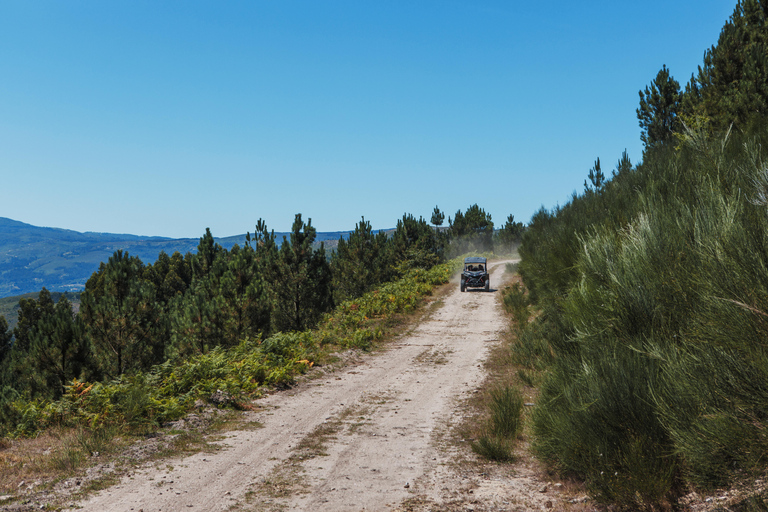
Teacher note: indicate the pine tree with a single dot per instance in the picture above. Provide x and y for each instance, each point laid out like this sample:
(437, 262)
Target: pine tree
(246, 302)
(6, 335)
(300, 280)
(360, 263)
(198, 318)
(471, 231)
(511, 233)
(29, 315)
(121, 316)
(437, 218)
(51, 349)
(659, 108)
(207, 252)
(171, 276)
(624, 165)
(596, 178)
(414, 244)
(17, 372)
(733, 81)
(59, 352)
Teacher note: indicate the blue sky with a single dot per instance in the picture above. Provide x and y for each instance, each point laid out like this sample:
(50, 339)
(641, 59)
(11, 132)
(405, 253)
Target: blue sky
(164, 118)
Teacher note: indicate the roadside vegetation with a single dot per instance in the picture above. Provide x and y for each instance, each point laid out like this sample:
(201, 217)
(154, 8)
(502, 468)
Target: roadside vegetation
(497, 425)
(642, 319)
(151, 343)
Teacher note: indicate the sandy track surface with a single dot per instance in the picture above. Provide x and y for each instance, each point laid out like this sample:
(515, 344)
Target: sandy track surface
(370, 437)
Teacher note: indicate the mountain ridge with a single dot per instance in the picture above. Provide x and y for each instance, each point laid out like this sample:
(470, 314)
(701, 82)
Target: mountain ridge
(33, 257)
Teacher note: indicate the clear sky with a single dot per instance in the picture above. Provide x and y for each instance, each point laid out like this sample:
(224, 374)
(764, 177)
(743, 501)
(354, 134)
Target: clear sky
(164, 118)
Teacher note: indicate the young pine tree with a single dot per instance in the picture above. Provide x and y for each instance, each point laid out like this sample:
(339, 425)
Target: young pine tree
(300, 280)
(360, 263)
(120, 314)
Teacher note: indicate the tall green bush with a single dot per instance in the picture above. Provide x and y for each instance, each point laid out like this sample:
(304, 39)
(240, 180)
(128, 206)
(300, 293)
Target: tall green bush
(659, 328)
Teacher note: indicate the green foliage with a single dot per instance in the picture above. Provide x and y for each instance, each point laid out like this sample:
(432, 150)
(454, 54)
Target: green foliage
(361, 262)
(652, 293)
(510, 235)
(142, 400)
(300, 280)
(171, 276)
(494, 448)
(437, 217)
(504, 425)
(596, 178)
(506, 412)
(653, 306)
(532, 349)
(659, 110)
(415, 245)
(226, 303)
(121, 316)
(5, 339)
(471, 231)
(516, 303)
(356, 323)
(729, 90)
(49, 348)
(732, 83)
(59, 352)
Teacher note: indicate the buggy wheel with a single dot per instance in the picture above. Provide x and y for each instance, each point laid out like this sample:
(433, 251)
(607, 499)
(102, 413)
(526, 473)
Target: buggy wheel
(488, 285)
(463, 286)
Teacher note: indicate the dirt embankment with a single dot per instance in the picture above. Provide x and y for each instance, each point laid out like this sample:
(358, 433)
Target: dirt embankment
(378, 435)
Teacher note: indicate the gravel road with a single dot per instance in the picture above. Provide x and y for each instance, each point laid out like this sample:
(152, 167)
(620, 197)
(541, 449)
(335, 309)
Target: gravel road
(369, 437)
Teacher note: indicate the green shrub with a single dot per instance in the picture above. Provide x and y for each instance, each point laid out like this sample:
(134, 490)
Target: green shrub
(531, 349)
(654, 303)
(505, 424)
(516, 303)
(527, 378)
(496, 448)
(506, 412)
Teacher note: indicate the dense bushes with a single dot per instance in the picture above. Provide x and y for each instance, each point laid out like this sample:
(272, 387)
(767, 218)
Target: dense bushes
(143, 400)
(658, 323)
(652, 291)
(193, 318)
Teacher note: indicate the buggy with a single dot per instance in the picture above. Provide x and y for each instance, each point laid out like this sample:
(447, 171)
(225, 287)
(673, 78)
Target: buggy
(475, 274)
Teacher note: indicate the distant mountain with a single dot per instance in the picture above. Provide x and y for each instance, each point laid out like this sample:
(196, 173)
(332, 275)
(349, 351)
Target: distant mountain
(32, 257)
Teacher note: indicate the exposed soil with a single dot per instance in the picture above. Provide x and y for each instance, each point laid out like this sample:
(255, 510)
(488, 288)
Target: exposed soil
(382, 434)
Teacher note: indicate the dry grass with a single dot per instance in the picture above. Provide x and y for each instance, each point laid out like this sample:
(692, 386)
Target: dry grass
(34, 464)
(51, 468)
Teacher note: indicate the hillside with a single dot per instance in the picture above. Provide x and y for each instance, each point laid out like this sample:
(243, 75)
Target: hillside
(33, 257)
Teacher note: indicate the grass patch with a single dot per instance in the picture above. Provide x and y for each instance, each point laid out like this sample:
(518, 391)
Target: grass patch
(503, 425)
(55, 454)
(495, 448)
(506, 406)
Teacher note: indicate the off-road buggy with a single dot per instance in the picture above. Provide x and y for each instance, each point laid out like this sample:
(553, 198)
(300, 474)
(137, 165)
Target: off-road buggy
(475, 274)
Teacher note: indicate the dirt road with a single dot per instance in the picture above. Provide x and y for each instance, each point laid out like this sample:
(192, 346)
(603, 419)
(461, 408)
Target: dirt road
(370, 437)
